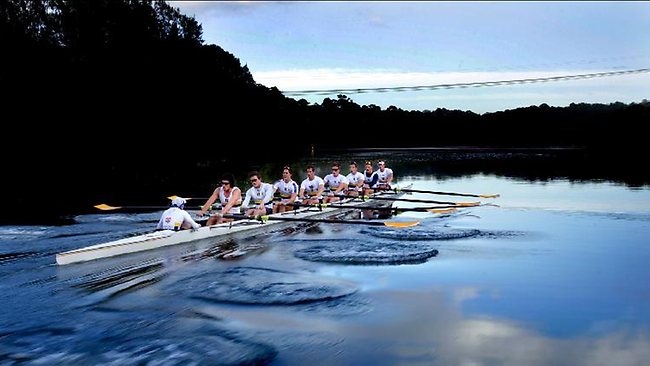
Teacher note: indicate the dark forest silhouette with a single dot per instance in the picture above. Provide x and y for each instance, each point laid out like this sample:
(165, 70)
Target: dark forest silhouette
(122, 98)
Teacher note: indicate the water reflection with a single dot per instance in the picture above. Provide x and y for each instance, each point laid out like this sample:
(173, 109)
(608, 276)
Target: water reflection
(556, 274)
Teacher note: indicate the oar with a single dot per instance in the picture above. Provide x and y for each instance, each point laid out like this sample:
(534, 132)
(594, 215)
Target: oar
(404, 209)
(455, 204)
(105, 207)
(397, 189)
(187, 198)
(264, 218)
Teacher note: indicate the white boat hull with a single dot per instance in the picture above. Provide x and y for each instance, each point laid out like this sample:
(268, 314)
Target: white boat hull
(216, 233)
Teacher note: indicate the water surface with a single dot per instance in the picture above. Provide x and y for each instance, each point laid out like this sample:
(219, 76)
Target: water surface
(556, 274)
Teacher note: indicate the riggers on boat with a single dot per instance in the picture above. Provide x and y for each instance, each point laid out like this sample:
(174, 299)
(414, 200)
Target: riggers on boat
(226, 231)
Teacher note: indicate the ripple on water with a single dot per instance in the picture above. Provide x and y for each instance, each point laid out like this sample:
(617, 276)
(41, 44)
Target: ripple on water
(437, 233)
(376, 252)
(249, 285)
(22, 233)
(144, 346)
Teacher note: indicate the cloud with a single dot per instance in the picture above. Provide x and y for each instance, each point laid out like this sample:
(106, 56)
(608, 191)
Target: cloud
(205, 9)
(427, 328)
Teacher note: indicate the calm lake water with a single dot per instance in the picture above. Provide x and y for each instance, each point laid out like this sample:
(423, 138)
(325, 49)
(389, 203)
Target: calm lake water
(557, 274)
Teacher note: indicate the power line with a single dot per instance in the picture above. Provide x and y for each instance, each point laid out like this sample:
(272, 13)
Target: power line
(463, 85)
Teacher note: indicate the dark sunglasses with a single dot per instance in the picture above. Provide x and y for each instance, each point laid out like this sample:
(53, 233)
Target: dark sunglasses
(223, 183)
(254, 180)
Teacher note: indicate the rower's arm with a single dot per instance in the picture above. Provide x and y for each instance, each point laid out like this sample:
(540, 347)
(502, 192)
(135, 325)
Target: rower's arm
(247, 200)
(343, 185)
(210, 201)
(268, 197)
(188, 218)
(294, 193)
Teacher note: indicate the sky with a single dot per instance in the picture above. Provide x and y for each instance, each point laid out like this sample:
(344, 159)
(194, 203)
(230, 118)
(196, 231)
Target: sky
(297, 46)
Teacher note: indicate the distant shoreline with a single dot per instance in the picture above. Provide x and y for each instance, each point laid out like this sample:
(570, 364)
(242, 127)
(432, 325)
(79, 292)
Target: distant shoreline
(458, 148)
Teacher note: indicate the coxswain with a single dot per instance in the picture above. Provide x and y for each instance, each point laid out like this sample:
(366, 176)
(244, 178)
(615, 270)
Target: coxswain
(176, 218)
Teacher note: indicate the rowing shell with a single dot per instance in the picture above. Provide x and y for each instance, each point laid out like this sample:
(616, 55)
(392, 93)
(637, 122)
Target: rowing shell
(225, 231)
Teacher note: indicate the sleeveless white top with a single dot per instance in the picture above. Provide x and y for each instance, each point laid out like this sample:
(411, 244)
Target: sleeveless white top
(224, 201)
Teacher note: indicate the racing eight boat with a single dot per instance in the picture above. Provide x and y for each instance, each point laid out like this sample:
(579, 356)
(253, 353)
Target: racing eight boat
(223, 232)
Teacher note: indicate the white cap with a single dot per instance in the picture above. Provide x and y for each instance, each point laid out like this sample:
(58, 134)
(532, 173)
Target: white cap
(178, 202)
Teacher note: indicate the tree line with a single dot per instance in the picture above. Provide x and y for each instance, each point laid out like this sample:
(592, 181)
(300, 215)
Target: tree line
(97, 93)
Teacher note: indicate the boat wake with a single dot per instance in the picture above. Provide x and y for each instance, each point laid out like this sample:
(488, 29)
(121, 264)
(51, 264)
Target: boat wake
(260, 286)
(368, 253)
(145, 342)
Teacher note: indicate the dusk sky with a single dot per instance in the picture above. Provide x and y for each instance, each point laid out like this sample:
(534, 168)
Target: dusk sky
(345, 45)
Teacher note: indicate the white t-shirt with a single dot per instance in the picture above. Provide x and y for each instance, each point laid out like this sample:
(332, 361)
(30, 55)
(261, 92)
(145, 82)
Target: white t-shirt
(259, 195)
(173, 219)
(383, 176)
(334, 182)
(354, 179)
(286, 189)
(311, 186)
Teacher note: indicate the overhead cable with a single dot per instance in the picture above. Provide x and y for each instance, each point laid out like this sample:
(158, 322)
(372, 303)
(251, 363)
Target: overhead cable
(463, 85)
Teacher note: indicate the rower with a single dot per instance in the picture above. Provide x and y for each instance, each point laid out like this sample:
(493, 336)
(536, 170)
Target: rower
(355, 180)
(230, 198)
(370, 179)
(337, 184)
(288, 190)
(176, 218)
(385, 175)
(261, 194)
(313, 186)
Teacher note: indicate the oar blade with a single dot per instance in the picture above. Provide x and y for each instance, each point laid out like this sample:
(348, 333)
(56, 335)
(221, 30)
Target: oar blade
(401, 224)
(468, 204)
(442, 210)
(105, 207)
(489, 195)
(173, 197)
